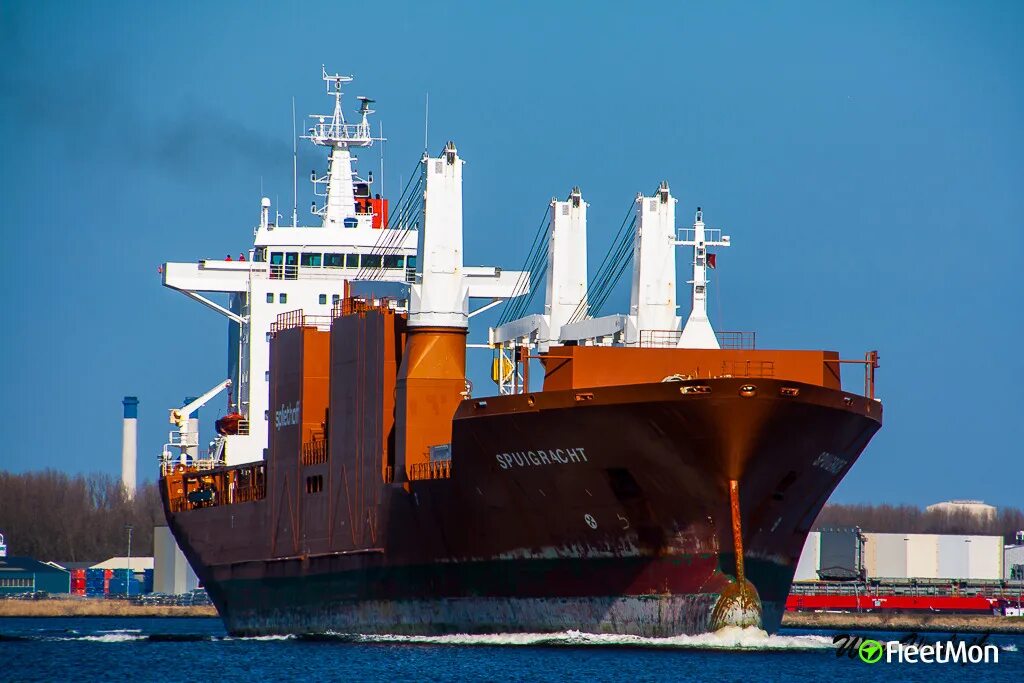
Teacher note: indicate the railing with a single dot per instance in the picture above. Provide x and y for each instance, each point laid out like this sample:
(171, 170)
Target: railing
(660, 339)
(748, 368)
(337, 273)
(297, 318)
(243, 428)
(214, 498)
(441, 469)
(690, 234)
(358, 304)
(192, 487)
(314, 452)
(745, 341)
(346, 132)
(913, 587)
(870, 363)
(283, 272)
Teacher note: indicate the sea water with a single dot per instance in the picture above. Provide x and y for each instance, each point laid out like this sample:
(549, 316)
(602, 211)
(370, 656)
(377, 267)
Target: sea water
(136, 650)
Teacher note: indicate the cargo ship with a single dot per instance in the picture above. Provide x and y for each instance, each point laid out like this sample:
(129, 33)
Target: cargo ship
(661, 480)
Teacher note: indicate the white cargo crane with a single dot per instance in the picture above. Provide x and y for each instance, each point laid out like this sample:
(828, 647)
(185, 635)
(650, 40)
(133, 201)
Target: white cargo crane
(186, 439)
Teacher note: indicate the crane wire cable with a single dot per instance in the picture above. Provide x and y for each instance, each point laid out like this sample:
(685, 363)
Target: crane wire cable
(608, 271)
(514, 306)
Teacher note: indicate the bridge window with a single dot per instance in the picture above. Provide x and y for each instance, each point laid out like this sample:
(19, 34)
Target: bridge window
(393, 261)
(276, 265)
(310, 260)
(372, 260)
(334, 260)
(351, 260)
(410, 262)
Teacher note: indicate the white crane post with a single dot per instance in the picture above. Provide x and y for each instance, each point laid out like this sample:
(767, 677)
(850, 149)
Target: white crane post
(567, 263)
(653, 296)
(439, 296)
(191, 429)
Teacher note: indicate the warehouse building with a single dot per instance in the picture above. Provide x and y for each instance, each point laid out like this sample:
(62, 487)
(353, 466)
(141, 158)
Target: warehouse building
(25, 575)
(172, 573)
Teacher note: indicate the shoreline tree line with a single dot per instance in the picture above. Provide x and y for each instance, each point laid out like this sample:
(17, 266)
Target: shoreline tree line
(51, 515)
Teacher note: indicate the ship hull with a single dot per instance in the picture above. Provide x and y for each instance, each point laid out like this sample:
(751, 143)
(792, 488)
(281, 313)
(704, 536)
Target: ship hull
(604, 511)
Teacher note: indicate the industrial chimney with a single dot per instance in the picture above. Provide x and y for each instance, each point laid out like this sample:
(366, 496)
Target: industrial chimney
(129, 444)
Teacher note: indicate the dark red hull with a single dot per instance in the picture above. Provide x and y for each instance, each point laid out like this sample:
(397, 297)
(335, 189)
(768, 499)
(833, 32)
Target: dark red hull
(602, 510)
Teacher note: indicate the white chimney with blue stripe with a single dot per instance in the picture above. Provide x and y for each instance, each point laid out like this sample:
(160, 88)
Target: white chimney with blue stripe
(129, 444)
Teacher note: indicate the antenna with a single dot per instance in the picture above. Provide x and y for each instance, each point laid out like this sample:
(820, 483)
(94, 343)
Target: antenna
(295, 171)
(383, 142)
(426, 120)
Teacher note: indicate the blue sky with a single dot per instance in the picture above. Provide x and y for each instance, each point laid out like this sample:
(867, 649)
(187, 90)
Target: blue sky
(866, 157)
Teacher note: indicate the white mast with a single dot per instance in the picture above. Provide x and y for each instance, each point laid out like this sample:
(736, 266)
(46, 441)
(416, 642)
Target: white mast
(653, 296)
(439, 296)
(698, 333)
(333, 132)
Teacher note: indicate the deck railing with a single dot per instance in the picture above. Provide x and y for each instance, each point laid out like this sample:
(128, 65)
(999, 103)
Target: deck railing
(314, 452)
(441, 469)
(662, 339)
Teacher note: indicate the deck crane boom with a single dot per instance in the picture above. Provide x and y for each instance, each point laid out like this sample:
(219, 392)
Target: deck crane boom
(184, 440)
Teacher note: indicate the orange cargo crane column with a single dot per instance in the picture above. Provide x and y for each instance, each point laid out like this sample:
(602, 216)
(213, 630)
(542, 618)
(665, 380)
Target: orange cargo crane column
(432, 378)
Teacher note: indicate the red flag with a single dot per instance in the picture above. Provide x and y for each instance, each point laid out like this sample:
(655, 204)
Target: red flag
(711, 260)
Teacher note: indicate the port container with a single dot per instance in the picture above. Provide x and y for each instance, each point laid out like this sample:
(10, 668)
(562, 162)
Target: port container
(810, 557)
(954, 557)
(985, 557)
(78, 582)
(971, 557)
(840, 554)
(886, 555)
(923, 556)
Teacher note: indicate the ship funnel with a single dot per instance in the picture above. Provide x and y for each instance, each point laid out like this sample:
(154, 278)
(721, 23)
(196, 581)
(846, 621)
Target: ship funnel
(129, 444)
